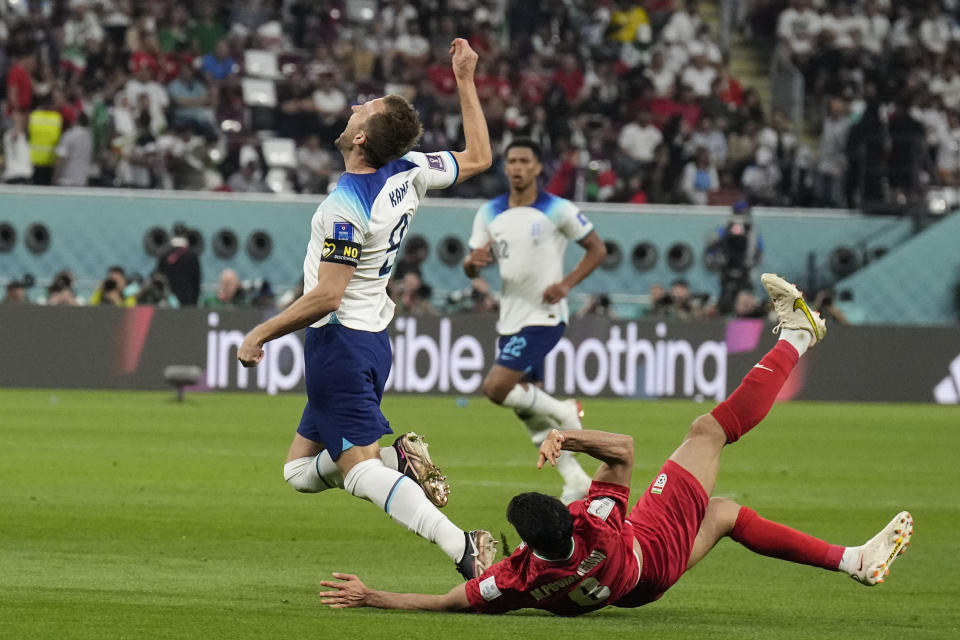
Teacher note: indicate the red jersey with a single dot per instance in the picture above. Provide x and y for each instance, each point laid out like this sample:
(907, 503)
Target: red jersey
(600, 570)
(19, 77)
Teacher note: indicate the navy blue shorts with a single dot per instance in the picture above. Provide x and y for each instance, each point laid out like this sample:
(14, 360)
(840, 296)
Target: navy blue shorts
(526, 350)
(345, 372)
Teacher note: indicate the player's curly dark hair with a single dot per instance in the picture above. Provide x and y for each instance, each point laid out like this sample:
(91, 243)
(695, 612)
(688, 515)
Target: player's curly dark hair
(543, 523)
(391, 133)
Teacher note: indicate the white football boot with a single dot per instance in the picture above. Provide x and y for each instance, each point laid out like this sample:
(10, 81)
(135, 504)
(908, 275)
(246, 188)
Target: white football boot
(792, 309)
(881, 550)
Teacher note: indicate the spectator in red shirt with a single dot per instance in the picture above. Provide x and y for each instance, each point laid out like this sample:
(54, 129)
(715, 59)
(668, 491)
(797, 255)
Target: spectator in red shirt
(20, 88)
(569, 77)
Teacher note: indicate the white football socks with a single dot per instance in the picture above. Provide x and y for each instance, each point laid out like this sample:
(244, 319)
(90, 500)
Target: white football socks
(850, 559)
(539, 426)
(799, 338)
(319, 473)
(531, 399)
(405, 502)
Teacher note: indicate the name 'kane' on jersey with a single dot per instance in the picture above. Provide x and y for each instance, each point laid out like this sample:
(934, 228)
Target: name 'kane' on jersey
(528, 243)
(362, 222)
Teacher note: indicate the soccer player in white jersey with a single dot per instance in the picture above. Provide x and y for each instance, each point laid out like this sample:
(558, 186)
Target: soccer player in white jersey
(526, 231)
(355, 235)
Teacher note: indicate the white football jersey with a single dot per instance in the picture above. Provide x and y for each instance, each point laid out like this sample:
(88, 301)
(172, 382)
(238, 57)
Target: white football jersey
(374, 211)
(528, 244)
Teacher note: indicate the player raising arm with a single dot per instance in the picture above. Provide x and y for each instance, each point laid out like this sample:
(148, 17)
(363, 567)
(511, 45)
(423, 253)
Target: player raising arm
(354, 238)
(595, 553)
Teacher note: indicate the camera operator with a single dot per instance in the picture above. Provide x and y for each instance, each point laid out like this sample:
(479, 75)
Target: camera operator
(114, 290)
(737, 249)
(156, 292)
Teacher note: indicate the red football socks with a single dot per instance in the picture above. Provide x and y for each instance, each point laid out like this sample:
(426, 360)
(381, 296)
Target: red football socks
(780, 541)
(751, 401)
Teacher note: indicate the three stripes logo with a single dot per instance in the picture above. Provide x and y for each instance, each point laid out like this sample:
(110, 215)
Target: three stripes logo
(947, 390)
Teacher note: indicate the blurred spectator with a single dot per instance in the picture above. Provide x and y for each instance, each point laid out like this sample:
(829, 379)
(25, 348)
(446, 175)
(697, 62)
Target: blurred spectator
(156, 292)
(682, 305)
(761, 180)
(60, 293)
(44, 129)
(414, 296)
(416, 250)
(597, 305)
(699, 178)
(823, 303)
(16, 293)
(746, 305)
(180, 267)
(17, 167)
(832, 165)
(74, 155)
(229, 295)
(248, 179)
(638, 140)
(314, 165)
(330, 104)
(218, 65)
(191, 102)
(659, 301)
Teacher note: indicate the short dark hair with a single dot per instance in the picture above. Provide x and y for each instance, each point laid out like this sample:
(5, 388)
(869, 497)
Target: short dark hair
(525, 143)
(391, 133)
(543, 523)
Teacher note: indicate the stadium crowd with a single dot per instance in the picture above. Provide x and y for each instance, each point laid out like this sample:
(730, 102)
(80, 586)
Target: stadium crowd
(883, 80)
(633, 101)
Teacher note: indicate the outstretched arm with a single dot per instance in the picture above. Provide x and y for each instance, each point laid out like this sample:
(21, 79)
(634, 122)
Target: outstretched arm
(614, 450)
(313, 305)
(349, 591)
(596, 253)
(476, 156)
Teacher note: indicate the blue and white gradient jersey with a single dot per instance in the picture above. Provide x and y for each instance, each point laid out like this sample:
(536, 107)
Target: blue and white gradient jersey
(373, 210)
(528, 244)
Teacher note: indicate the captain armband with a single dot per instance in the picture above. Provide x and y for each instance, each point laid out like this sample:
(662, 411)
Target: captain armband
(340, 252)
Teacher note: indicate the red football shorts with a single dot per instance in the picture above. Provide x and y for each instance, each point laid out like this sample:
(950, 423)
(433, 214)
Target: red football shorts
(665, 522)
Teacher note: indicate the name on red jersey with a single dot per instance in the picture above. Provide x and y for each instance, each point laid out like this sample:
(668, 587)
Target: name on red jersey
(589, 563)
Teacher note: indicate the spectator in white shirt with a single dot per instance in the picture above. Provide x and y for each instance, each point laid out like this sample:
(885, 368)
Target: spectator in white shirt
(699, 75)
(798, 28)
(412, 48)
(639, 138)
(700, 178)
(947, 85)
(877, 29)
(709, 137)
(74, 155)
(948, 153)
(683, 24)
(762, 179)
(660, 76)
(837, 24)
(935, 31)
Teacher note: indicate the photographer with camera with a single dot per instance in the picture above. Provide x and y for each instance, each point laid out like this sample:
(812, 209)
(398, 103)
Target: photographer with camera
(115, 290)
(736, 250)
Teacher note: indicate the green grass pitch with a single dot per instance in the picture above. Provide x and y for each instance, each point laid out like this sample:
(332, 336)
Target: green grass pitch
(128, 515)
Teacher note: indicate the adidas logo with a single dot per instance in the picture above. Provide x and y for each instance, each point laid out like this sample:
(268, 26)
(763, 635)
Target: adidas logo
(948, 390)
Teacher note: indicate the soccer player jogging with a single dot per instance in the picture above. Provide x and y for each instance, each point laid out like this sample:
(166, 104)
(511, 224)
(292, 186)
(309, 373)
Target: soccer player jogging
(354, 237)
(596, 553)
(526, 231)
